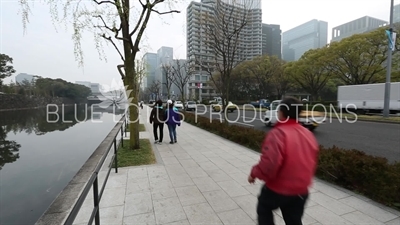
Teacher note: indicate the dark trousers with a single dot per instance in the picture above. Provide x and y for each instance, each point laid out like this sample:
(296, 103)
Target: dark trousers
(292, 207)
(159, 126)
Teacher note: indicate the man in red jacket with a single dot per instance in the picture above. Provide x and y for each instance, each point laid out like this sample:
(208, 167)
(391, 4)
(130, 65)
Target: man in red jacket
(287, 166)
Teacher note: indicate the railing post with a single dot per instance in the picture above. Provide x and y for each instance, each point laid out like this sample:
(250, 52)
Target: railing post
(126, 125)
(122, 136)
(96, 201)
(116, 155)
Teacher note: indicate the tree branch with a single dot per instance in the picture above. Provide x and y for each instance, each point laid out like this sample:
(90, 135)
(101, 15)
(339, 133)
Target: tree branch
(163, 13)
(119, 67)
(103, 2)
(115, 46)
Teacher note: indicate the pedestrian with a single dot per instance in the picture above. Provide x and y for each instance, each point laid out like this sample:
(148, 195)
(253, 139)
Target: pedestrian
(173, 104)
(141, 104)
(172, 120)
(287, 166)
(157, 119)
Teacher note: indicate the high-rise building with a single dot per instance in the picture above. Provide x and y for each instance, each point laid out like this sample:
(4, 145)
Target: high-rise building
(271, 40)
(250, 40)
(156, 69)
(358, 26)
(150, 63)
(310, 35)
(396, 13)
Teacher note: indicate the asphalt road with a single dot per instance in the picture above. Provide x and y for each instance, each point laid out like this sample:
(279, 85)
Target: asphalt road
(378, 139)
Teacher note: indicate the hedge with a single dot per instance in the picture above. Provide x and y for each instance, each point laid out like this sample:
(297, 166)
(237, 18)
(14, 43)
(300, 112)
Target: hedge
(352, 169)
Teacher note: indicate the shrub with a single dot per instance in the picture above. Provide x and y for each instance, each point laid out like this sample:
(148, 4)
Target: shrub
(371, 176)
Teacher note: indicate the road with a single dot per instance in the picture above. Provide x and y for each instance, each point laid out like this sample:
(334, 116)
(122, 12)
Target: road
(378, 139)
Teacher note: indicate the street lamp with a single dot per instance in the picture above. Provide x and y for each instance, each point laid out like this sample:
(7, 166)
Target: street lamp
(386, 103)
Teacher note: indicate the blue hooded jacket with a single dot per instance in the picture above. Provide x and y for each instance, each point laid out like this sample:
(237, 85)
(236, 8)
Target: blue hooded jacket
(172, 117)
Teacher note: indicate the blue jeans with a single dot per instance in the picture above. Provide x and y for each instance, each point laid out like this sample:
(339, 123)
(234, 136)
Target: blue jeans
(172, 132)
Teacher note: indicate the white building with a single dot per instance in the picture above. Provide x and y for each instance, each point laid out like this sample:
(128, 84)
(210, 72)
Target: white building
(94, 87)
(198, 49)
(361, 25)
(23, 76)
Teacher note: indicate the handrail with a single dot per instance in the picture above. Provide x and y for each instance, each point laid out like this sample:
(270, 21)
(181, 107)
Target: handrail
(63, 210)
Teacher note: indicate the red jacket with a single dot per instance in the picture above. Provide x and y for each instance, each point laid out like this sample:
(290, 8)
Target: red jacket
(288, 160)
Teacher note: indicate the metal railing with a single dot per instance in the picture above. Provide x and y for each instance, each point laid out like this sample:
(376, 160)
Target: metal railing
(65, 212)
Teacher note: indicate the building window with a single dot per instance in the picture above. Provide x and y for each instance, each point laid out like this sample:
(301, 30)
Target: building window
(197, 77)
(204, 78)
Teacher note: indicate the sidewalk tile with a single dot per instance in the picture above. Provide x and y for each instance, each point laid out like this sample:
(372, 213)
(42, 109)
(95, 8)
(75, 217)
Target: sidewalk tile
(220, 201)
(202, 214)
(164, 193)
(138, 204)
(233, 188)
(369, 209)
(168, 210)
(249, 204)
(329, 190)
(190, 195)
(196, 172)
(181, 180)
(218, 175)
(236, 216)
(333, 205)
(358, 217)
(144, 219)
(205, 184)
(325, 216)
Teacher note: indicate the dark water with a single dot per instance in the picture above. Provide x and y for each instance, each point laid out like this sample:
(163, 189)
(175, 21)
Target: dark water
(40, 153)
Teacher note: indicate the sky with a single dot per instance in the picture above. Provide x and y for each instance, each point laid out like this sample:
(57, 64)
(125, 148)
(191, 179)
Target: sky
(47, 50)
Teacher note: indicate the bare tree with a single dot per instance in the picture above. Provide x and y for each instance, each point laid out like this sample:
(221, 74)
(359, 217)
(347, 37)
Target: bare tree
(224, 32)
(183, 71)
(111, 21)
(154, 88)
(169, 75)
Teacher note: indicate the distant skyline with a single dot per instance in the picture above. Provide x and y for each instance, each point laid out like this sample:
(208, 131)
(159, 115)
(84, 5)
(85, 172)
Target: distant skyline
(50, 53)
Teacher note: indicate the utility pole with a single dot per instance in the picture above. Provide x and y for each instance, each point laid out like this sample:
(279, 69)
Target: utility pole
(386, 110)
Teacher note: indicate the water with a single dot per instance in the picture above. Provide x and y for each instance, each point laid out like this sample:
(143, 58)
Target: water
(39, 155)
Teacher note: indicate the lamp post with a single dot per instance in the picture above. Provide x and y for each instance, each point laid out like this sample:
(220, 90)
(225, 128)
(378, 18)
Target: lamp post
(386, 103)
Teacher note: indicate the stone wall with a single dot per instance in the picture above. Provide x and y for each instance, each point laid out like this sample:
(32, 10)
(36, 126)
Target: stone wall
(14, 101)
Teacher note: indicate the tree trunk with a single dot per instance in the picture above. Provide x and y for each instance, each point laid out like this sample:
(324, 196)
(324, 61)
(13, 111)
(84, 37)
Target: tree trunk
(131, 81)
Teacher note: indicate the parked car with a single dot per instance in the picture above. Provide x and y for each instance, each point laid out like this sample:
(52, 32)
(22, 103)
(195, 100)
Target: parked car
(178, 105)
(190, 105)
(263, 103)
(230, 107)
(309, 119)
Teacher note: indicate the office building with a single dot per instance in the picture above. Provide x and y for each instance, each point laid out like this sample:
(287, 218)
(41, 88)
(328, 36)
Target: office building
(271, 40)
(396, 14)
(20, 78)
(310, 35)
(94, 87)
(199, 49)
(150, 64)
(157, 67)
(358, 26)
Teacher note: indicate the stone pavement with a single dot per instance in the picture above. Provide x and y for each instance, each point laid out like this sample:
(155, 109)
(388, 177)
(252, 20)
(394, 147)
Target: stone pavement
(203, 180)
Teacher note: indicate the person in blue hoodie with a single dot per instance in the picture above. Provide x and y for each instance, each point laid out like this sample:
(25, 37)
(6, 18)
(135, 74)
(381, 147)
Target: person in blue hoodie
(173, 119)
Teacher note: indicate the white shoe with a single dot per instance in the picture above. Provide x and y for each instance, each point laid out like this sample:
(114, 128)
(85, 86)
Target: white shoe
(156, 142)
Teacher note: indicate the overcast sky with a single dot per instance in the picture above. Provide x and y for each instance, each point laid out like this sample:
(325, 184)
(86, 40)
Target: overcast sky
(49, 53)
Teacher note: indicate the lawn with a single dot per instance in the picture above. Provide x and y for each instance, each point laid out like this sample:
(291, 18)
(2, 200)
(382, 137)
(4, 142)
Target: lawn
(142, 156)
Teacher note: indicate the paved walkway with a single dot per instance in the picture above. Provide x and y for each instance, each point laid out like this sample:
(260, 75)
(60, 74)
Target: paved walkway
(203, 180)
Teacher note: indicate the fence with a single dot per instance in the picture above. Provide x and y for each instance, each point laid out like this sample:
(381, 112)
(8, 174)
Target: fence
(67, 205)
